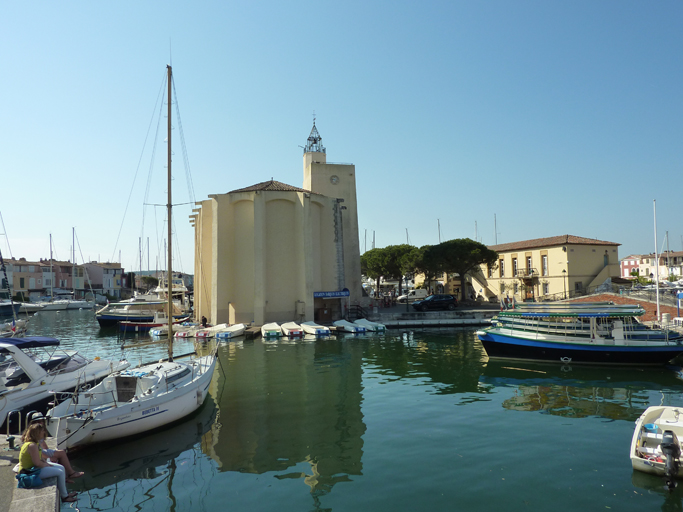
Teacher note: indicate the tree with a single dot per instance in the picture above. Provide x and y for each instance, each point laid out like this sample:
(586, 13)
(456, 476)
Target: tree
(149, 282)
(462, 256)
(372, 265)
(394, 262)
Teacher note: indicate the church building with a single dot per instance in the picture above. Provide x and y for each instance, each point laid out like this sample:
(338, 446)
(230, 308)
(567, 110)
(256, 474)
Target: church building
(273, 252)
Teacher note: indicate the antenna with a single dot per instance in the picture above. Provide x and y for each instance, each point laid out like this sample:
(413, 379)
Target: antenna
(495, 230)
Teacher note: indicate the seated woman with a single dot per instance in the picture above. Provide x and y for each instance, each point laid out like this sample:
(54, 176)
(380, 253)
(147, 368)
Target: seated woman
(58, 456)
(30, 456)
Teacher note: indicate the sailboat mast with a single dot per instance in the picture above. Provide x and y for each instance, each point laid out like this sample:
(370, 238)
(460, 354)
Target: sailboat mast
(169, 207)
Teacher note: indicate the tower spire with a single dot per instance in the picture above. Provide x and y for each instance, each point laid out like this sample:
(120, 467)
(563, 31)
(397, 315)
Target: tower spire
(314, 142)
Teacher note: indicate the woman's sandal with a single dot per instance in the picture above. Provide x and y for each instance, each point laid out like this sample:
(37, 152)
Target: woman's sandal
(69, 499)
(76, 474)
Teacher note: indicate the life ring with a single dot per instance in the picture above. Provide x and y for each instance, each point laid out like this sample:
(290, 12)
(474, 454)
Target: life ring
(566, 359)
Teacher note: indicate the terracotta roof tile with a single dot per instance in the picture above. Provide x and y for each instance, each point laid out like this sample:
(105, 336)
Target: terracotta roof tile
(271, 185)
(549, 242)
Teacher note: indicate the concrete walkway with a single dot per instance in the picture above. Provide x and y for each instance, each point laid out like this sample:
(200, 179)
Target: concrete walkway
(41, 499)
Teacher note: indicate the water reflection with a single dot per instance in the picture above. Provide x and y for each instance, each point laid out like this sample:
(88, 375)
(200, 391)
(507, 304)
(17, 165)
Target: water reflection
(291, 405)
(576, 391)
(651, 484)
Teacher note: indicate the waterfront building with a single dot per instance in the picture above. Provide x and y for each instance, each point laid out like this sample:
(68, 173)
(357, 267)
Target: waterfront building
(106, 278)
(628, 265)
(274, 252)
(546, 268)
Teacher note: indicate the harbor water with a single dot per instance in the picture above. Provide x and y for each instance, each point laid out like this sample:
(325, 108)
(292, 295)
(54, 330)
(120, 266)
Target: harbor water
(411, 420)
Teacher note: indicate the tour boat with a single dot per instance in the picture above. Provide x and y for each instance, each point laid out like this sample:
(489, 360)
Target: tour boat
(34, 367)
(292, 330)
(232, 331)
(579, 333)
(655, 446)
(144, 398)
(315, 329)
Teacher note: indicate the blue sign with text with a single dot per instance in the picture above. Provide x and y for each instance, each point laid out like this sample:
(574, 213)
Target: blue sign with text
(332, 295)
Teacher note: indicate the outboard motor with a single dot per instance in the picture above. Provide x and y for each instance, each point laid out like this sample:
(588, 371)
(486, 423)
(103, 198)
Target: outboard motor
(672, 451)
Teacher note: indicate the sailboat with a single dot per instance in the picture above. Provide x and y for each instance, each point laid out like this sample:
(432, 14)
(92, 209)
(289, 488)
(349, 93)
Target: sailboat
(141, 399)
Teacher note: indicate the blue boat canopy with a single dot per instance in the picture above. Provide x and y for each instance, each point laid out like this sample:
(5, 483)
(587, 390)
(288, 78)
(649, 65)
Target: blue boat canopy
(29, 342)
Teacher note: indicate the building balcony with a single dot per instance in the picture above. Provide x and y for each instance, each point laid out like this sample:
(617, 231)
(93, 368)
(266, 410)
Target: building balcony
(526, 273)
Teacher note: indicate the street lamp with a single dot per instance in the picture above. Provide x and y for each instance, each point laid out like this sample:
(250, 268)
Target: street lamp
(564, 273)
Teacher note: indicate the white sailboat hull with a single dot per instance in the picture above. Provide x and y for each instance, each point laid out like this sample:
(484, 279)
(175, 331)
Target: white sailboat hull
(142, 414)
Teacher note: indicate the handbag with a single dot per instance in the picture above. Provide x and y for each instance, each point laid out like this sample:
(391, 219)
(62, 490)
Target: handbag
(28, 478)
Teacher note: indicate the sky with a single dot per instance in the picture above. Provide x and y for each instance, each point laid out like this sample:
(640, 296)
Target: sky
(498, 121)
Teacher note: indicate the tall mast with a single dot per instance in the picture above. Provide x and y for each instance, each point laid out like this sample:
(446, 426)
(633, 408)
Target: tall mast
(52, 277)
(654, 203)
(73, 262)
(169, 207)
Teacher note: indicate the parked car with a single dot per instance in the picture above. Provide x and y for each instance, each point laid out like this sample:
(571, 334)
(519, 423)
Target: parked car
(413, 295)
(436, 302)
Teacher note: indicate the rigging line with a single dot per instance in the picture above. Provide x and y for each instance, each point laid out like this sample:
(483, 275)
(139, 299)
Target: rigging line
(137, 170)
(6, 237)
(85, 269)
(186, 160)
(150, 172)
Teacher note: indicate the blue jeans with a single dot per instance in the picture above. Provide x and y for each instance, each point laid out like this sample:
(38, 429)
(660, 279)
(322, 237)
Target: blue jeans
(58, 471)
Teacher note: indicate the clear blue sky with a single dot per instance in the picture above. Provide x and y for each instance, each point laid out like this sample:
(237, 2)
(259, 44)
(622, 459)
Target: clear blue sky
(557, 117)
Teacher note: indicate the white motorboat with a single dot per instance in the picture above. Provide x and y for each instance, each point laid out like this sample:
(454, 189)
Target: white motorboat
(132, 402)
(370, 326)
(80, 304)
(271, 330)
(232, 331)
(210, 332)
(346, 326)
(132, 311)
(55, 305)
(32, 368)
(177, 327)
(31, 307)
(147, 397)
(655, 446)
(315, 329)
(292, 330)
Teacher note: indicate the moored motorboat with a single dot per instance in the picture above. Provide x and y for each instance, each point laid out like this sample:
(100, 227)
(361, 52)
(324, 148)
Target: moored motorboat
(271, 330)
(655, 446)
(232, 331)
(160, 320)
(315, 329)
(292, 330)
(34, 367)
(370, 326)
(209, 332)
(132, 311)
(346, 326)
(588, 333)
(30, 307)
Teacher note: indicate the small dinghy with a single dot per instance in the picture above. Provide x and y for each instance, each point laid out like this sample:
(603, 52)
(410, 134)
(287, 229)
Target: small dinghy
(370, 326)
(346, 326)
(209, 332)
(231, 332)
(655, 447)
(271, 330)
(315, 329)
(292, 330)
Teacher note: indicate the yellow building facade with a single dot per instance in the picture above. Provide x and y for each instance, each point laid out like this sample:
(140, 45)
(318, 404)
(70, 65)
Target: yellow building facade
(274, 252)
(546, 269)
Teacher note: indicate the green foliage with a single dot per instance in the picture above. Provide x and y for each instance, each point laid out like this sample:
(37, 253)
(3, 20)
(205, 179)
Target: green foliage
(460, 256)
(149, 282)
